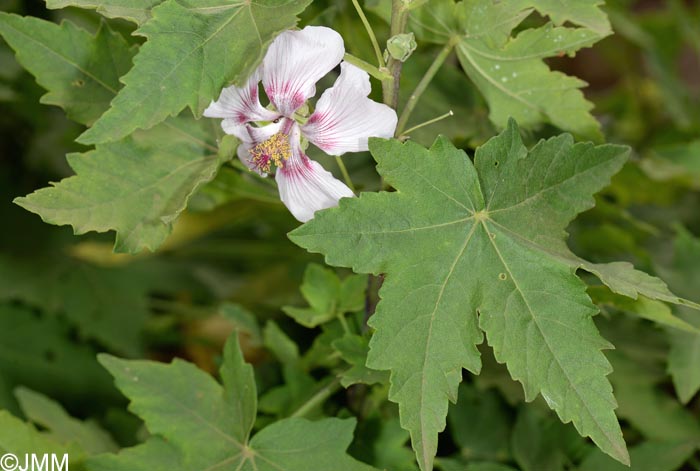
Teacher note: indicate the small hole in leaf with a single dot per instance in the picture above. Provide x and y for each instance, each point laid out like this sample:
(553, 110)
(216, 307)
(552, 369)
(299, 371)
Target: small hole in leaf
(492, 235)
(78, 83)
(495, 163)
(502, 276)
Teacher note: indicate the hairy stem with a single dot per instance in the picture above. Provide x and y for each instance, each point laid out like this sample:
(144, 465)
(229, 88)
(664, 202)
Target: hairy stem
(370, 32)
(390, 87)
(423, 85)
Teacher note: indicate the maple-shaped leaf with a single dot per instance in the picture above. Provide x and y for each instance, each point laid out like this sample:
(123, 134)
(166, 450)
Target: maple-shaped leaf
(509, 69)
(136, 187)
(197, 423)
(470, 247)
(80, 71)
(191, 52)
(137, 11)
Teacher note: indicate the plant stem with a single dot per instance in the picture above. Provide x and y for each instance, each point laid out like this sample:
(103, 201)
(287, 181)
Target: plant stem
(423, 85)
(431, 121)
(344, 171)
(317, 399)
(379, 74)
(344, 324)
(370, 32)
(390, 86)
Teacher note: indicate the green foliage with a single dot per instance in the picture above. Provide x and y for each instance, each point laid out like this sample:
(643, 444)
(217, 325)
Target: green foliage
(354, 350)
(508, 246)
(38, 353)
(585, 13)
(138, 11)
(505, 214)
(136, 187)
(684, 355)
(198, 423)
(80, 71)
(60, 426)
(227, 40)
(328, 296)
(510, 71)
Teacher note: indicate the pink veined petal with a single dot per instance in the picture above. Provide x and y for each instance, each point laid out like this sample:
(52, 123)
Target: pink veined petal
(295, 61)
(305, 186)
(251, 136)
(241, 105)
(345, 118)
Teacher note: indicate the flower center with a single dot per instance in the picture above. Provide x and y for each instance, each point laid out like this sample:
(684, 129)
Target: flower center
(275, 150)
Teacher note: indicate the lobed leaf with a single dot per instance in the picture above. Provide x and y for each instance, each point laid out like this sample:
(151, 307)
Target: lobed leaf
(136, 187)
(470, 247)
(192, 51)
(510, 71)
(198, 424)
(80, 71)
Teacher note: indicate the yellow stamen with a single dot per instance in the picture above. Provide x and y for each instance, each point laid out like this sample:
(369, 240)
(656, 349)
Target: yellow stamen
(274, 150)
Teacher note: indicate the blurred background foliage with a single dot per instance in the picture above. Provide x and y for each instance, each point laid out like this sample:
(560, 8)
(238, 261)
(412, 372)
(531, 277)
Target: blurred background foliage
(228, 265)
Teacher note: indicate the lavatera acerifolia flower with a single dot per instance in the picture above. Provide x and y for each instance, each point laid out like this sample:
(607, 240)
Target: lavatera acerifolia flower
(343, 120)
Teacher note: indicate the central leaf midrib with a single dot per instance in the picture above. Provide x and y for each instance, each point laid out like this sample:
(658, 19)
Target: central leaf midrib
(426, 453)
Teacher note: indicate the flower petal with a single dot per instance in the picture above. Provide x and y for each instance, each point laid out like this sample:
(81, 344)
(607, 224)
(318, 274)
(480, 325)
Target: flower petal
(240, 105)
(250, 136)
(305, 186)
(345, 118)
(295, 61)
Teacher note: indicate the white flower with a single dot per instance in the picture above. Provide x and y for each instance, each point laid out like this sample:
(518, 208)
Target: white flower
(343, 120)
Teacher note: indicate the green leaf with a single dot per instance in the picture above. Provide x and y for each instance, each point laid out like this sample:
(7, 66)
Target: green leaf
(80, 71)
(468, 247)
(510, 71)
(280, 344)
(622, 278)
(328, 296)
(517, 83)
(541, 442)
(191, 52)
(207, 426)
(646, 407)
(137, 11)
(136, 187)
(20, 438)
(353, 349)
(480, 425)
(649, 456)
(155, 454)
(63, 428)
(684, 356)
(580, 12)
(643, 307)
(38, 353)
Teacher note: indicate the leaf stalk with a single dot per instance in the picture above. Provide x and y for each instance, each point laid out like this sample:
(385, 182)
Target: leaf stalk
(423, 85)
